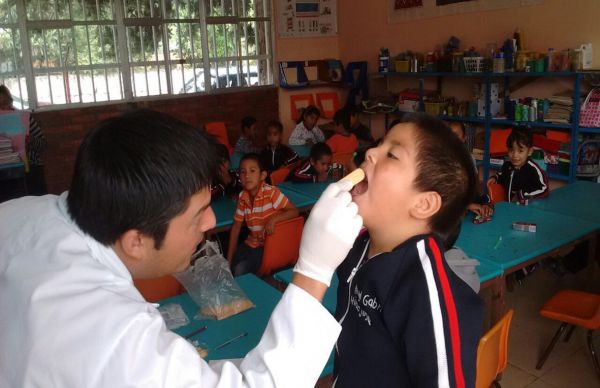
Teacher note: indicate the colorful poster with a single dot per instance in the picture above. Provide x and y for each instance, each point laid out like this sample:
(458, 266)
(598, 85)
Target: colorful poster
(14, 126)
(404, 10)
(301, 18)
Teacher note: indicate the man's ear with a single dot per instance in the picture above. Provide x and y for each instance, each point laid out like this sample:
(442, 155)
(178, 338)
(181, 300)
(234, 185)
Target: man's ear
(132, 244)
(426, 205)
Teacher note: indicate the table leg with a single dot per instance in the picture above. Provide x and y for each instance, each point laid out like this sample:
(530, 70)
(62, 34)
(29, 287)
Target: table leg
(497, 304)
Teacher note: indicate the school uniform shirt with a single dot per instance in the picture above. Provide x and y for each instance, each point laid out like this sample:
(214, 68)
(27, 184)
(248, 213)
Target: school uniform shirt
(407, 319)
(301, 135)
(280, 156)
(245, 146)
(220, 189)
(527, 182)
(268, 201)
(305, 173)
(342, 143)
(71, 317)
(362, 133)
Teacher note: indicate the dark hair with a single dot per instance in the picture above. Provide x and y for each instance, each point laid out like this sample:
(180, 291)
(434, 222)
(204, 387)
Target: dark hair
(275, 124)
(222, 152)
(318, 150)
(248, 121)
(342, 117)
(444, 166)
(4, 90)
(352, 109)
(256, 158)
(310, 110)
(520, 135)
(461, 125)
(138, 171)
(452, 236)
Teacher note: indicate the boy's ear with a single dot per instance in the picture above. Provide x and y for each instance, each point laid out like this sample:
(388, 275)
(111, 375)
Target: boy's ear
(426, 205)
(263, 175)
(530, 151)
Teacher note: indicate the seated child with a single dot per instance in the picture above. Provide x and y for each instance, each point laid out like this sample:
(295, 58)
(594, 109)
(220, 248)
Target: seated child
(407, 319)
(260, 206)
(307, 131)
(245, 143)
(361, 131)
(277, 155)
(520, 176)
(342, 141)
(315, 168)
(481, 205)
(226, 183)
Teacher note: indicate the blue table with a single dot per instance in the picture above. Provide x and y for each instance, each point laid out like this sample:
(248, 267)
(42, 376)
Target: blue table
(252, 321)
(311, 190)
(303, 151)
(330, 298)
(224, 209)
(579, 199)
(495, 242)
(300, 200)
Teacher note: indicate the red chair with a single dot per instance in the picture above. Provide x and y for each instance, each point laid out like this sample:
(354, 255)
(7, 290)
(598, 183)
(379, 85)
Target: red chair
(219, 131)
(496, 192)
(153, 290)
(300, 101)
(282, 246)
(328, 104)
(278, 176)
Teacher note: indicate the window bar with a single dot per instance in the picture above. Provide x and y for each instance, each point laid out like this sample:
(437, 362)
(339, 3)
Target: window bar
(15, 62)
(47, 66)
(101, 33)
(247, 53)
(192, 47)
(180, 51)
(216, 55)
(55, 9)
(204, 35)
(26, 50)
(76, 64)
(143, 51)
(131, 73)
(155, 49)
(63, 66)
(225, 31)
(118, 57)
(166, 56)
(87, 36)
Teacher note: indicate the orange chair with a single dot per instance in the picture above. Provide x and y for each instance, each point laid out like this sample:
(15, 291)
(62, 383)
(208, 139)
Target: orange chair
(278, 176)
(282, 246)
(328, 104)
(498, 139)
(496, 192)
(300, 101)
(154, 290)
(492, 352)
(576, 308)
(219, 131)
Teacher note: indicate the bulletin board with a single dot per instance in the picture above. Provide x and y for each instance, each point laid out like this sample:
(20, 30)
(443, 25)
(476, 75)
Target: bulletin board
(302, 18)
(405, 10)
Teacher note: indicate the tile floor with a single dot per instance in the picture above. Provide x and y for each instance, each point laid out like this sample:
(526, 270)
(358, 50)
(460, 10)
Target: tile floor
(569, 364)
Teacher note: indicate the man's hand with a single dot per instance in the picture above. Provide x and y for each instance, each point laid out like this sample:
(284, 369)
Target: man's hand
(329, 233)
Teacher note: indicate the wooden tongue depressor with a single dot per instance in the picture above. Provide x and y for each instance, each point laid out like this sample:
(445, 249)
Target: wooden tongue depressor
(355, 176)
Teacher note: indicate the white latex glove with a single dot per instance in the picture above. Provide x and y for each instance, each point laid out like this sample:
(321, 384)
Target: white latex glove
(329, 233)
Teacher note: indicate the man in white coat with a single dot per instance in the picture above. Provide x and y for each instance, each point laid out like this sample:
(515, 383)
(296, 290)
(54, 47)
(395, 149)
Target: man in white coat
(138, 206)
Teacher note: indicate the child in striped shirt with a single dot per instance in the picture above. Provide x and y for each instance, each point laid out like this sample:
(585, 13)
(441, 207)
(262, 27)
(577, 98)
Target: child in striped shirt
(260, 206)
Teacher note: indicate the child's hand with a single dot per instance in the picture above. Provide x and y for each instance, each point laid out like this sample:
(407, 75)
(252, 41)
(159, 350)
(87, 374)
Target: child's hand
(270, 226)
(329, 233)
(481, 210)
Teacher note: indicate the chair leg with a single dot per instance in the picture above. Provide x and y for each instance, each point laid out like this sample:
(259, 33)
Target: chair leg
(590, 342)
(569, 333)
(559, 332)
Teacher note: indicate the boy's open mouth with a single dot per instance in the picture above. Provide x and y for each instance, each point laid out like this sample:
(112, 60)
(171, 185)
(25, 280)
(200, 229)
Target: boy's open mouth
(361, 187)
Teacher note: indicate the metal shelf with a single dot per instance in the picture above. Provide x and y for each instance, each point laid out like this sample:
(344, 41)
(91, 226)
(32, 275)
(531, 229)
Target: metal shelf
(589, 130)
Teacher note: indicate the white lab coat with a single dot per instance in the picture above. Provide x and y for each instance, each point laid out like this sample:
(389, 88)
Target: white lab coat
(71, 317)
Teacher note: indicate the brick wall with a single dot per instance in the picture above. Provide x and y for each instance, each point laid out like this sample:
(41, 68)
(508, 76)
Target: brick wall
(65, 129)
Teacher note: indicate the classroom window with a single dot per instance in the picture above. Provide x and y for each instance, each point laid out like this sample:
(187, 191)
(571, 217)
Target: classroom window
(57, 52)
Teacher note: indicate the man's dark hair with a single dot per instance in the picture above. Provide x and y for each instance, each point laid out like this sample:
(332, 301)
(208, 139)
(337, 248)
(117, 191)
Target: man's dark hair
(342, 117)
(256, 157)
(248, 121)
(138, 171)
(318, 150)
(275, 124)
(444, 166)
(520, 135)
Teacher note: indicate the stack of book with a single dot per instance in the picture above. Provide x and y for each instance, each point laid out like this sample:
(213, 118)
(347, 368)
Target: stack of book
(560, 110)
(7, 153)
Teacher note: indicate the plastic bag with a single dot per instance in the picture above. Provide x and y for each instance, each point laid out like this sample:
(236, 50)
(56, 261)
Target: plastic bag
(212, 286)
